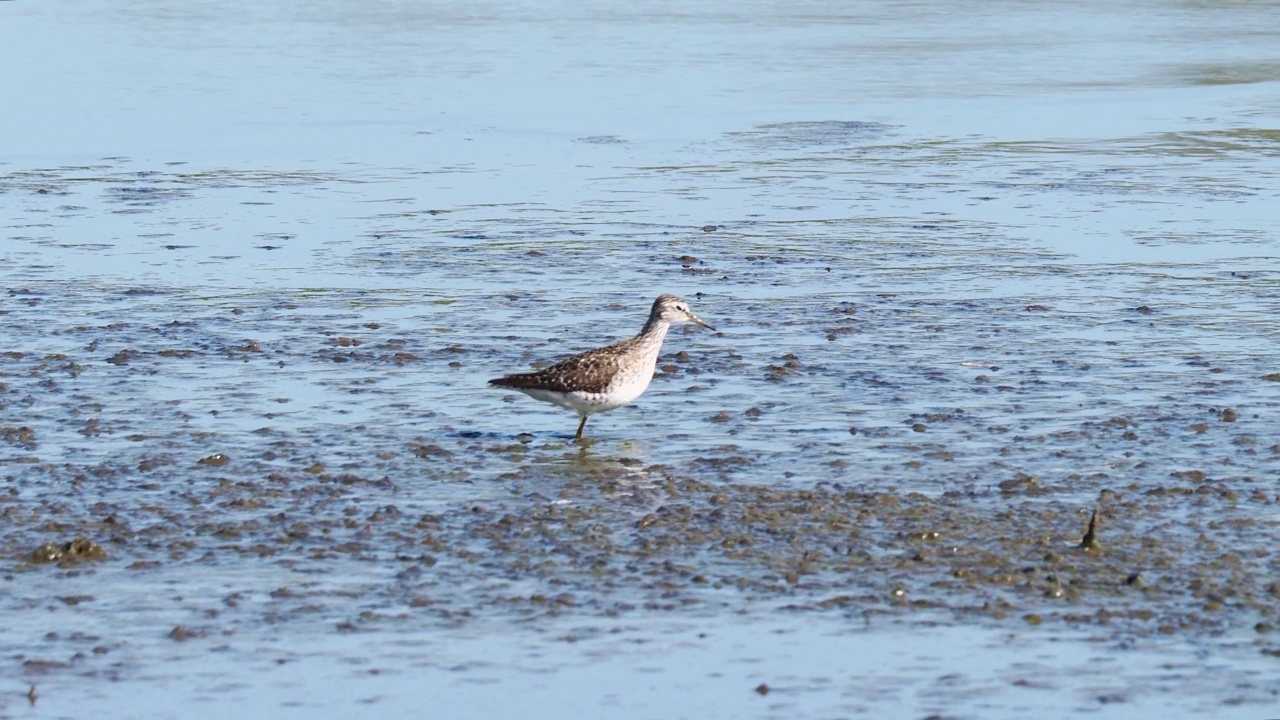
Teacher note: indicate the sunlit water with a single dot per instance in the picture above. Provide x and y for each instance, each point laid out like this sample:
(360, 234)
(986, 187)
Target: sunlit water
(947, 250)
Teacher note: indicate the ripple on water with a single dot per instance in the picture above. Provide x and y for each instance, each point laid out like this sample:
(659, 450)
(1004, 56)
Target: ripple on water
(906, 413)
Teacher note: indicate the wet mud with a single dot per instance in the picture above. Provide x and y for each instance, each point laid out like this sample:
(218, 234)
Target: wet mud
(926, 398)
(1008, 437)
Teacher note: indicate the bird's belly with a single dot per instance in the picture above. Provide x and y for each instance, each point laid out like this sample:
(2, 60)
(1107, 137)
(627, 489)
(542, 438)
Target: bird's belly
(615, 396)
(626, 389)
(579, 402)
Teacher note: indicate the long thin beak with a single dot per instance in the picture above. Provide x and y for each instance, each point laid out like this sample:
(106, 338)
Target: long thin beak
(695, 319)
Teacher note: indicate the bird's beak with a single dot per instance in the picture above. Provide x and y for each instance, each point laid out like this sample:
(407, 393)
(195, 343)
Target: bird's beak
(695, 319)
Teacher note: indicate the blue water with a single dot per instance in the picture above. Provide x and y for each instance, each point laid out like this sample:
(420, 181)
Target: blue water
(464, 174)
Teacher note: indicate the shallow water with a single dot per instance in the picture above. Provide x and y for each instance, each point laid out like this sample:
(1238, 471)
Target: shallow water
(686, 668)
(972, 275)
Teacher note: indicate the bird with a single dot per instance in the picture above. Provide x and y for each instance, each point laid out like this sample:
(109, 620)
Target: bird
(609, 377)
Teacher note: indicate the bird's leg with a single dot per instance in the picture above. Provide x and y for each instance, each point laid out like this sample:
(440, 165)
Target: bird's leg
(581, 426)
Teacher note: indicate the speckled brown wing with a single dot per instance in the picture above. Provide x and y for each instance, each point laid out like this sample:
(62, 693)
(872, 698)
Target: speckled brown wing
(590, 372)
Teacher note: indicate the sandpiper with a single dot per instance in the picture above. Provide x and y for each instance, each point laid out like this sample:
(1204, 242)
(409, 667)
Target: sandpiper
(607, 377)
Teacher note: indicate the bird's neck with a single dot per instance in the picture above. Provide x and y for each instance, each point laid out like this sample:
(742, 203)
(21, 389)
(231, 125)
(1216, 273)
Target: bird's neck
(654, 331)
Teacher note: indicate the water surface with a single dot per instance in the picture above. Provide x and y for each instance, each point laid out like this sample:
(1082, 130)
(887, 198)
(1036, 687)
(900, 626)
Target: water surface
(976, 274)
